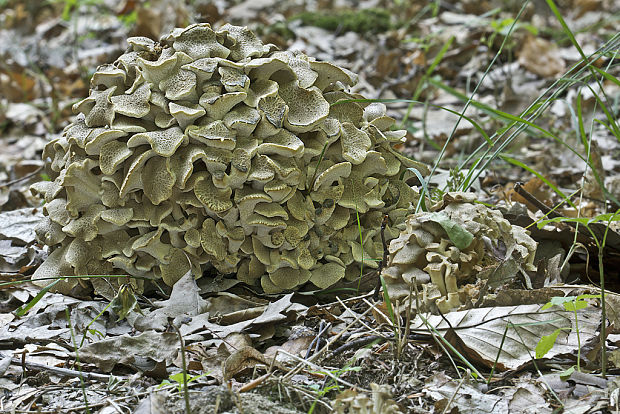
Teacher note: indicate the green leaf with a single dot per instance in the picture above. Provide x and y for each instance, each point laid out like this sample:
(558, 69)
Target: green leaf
(164, 383)
(586, 221)
(564, 376)
(576, 305)
(560, 301)
(124, 302)
(588, 296)
(546, 343)
(459, 236)
(21, 311)
(178, 377)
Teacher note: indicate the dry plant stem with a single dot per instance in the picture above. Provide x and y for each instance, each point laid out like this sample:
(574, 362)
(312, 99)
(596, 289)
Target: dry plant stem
(360, 342)
(304, 392)
(398, 335)
(456, 391)
(114, 404)
(440, 340)
(188, 409)
(255, 382)
(94, 405)
(316, 367)
(356, 344)
(535, 365)
(407, 322)
(77, 359)
(536, 202)
(62, 371)
(316, 342)
(25, 177)
(316, 356)
(370, 328)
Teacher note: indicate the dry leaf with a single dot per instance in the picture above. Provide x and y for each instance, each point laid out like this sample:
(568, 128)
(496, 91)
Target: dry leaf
(541, 57)
(478, 333)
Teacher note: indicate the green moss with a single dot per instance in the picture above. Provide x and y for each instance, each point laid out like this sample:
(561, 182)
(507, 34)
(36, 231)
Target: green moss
(360, 21)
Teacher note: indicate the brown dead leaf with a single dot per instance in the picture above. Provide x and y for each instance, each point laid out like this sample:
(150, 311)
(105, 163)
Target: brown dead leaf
(585, 6)
(141, 352)
(17, 86)
(241, 360)
(380, 313)
(155, 403)
(463, 396)
(388, 63)
(212, 361)
(541, 57)
(185, 300)
(295, 346)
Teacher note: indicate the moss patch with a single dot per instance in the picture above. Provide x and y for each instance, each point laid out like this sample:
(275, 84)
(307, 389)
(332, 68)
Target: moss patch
(361, 21)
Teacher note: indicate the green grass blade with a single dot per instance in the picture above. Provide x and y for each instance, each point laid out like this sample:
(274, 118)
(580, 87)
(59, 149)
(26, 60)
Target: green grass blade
(426, 76)
(421, 202)
(21, 311)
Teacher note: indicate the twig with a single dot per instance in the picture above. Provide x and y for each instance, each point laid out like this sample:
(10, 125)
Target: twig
(534, 201)
(316, 342)
(360, 342)
(25, 177)
(551, 213)
(323, 371)
(61, 371)
(316, 356)
(255, 382)
(94, 405)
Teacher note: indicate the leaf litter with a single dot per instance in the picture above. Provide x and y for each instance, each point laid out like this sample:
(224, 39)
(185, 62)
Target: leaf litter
(313, 351)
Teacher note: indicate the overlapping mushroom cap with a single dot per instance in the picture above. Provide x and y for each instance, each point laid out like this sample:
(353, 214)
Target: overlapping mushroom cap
(212, 148)
(457, 242)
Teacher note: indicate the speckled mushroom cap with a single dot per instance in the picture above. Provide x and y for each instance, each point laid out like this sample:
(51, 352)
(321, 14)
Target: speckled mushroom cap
(210, 148)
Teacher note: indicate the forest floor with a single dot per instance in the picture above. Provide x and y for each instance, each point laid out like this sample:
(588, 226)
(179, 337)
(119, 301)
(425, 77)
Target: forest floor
(538, 111)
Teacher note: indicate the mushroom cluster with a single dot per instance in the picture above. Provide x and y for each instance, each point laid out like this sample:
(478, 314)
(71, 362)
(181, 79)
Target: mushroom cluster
(211, 148)
(426, 255)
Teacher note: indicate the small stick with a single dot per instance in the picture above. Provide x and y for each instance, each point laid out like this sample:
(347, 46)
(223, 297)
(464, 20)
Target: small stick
(552, 214)
(17, 180)
(255, 382)
(536, 202)
(60, 371)
(316, 342)
(360, 342)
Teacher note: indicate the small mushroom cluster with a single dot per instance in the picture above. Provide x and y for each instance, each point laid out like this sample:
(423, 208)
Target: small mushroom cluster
(425, 255)
(355, 402)
(210, 147)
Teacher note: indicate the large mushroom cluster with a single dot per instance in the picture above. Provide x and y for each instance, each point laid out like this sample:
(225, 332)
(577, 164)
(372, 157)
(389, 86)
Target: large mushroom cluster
(210, 147)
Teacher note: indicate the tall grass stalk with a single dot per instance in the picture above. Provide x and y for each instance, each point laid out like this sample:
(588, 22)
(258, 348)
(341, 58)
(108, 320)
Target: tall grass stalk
(77, 360)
